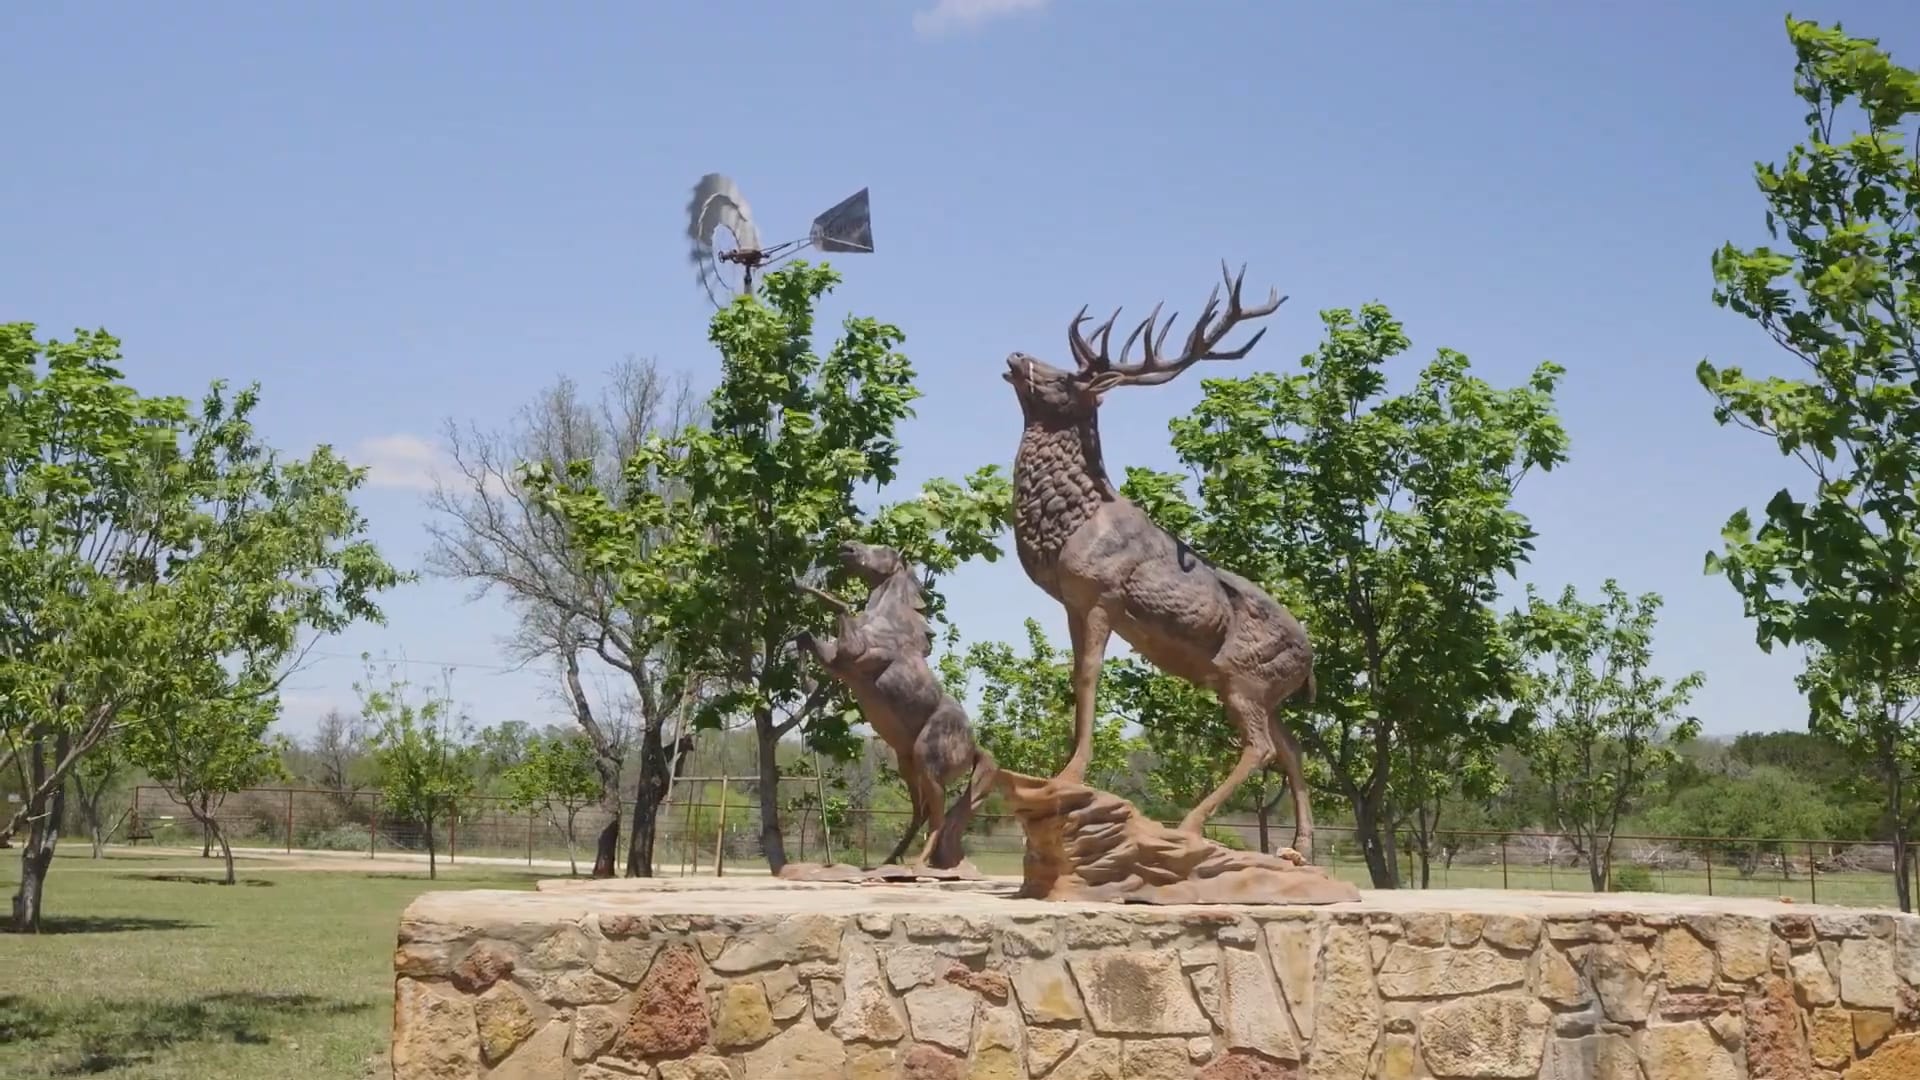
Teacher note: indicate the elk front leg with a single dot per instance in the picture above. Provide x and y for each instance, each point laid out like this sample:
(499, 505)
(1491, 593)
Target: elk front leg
(1256, 750)
(1089, 630)
(910, 776)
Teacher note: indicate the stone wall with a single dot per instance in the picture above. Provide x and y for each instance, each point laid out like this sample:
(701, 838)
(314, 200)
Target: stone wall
(771, 981)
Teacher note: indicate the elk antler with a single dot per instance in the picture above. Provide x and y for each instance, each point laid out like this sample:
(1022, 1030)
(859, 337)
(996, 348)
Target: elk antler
(1091, 352)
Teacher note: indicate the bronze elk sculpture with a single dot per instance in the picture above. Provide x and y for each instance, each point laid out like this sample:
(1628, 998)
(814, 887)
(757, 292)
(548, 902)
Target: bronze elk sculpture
(1116, 571)
(880, 654)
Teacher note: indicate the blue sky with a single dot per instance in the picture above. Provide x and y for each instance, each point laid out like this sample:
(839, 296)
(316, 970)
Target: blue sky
(395, 214)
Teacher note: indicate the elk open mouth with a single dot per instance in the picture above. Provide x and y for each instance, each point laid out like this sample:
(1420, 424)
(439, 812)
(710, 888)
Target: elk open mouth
(1016, 368)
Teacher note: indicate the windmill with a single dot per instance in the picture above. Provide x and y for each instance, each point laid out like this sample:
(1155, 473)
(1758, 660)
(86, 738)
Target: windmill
(727, 249)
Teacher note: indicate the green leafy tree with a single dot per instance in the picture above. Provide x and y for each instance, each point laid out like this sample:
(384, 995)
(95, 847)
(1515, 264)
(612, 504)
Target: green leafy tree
(159, 560)
(203, 752)
(1434, 778)
(1833, 569)
(719, 518)
(1386, 522)
(425, 762)
(98, 778)
(1740, 813)
(555, 776)
(1023, 712)
(1609, 727)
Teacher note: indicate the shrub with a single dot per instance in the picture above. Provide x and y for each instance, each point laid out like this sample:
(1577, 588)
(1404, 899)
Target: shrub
(1630, 879)
(339, 838)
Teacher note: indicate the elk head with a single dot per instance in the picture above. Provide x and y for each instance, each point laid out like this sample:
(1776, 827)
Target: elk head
(1050, 394)
(876, 565)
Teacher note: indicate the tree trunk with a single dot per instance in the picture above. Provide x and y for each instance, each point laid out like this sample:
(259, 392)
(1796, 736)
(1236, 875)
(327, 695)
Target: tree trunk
(772, 844)
(433, 853)
(606, 848)
(655, 783)
(1903, 885)
(226, 852)
(1597, 864)
(1373, 846)
(573, 862)
(43, 833)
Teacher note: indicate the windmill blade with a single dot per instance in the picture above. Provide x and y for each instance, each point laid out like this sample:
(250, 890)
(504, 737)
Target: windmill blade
(847, 227)
(717, 204)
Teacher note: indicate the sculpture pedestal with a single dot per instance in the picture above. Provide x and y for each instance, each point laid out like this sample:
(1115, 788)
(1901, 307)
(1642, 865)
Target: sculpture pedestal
(761, 979)
(1087, 844)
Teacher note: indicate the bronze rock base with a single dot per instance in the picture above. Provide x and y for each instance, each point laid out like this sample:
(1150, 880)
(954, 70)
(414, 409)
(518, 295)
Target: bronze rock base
(890, 874)
(1087, 844)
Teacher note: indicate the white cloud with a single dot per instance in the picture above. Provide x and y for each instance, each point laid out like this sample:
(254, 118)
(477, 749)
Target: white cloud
(402, 462)
(948, 16)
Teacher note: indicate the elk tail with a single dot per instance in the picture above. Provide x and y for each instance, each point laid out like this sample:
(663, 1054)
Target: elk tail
(1308, 690)
(946, 851)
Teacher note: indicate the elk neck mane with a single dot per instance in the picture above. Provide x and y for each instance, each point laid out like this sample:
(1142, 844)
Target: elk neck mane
(1059, 482)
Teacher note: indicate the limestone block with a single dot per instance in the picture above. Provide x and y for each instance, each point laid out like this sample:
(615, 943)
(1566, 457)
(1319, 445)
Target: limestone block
(1620, 979)
(1558, 982)
(625, 960)
(743, 1018)
(1812, 982)
(942, 1016)
(1347, 1014)
(1294, 948)
(1685, 1052)
(504, 1019)
(1516, 932)
(1870, 1029)
(540, 1057)
(1094, 1059)
(1867, 976)
(914, 965)
(1830, 1037)
(868, 1012)
(1745, 947)
(433, 1033)
(1154, 1059)
(1685, 961)
(1411, 971)
(801, 1052)
(1136, 993)
(1502, 1035)
(791, 940)
(786, 998)
(1045, 992)
(1592, 1057)
(1899, 1059)
(698, 1067)
(594, 1028)
(1047, 1045)
(1250, 1008)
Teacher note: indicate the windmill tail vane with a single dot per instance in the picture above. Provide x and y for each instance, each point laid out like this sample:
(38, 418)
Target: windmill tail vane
(723, 235)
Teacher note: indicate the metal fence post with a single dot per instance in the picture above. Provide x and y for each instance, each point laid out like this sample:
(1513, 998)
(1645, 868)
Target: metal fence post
(529, 838)
(1504, 882)
(1709, 869)
(866, 823)
(373, 826)
(289, 821)
(720, 834)
(1813, 879)
(453, 832)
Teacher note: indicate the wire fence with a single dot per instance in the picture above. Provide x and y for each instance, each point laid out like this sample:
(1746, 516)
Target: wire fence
(711, 825)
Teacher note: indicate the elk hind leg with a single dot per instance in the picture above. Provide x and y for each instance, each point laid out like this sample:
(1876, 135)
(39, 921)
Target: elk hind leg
(1287, 749)
(931, 798)
(1255, 751)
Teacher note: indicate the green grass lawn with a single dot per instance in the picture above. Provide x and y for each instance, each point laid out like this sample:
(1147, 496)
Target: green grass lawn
(149, 970)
